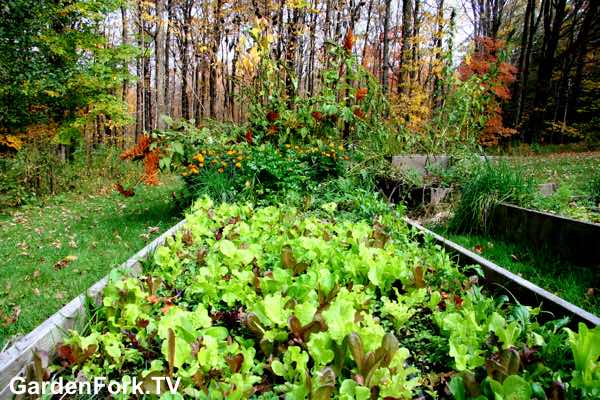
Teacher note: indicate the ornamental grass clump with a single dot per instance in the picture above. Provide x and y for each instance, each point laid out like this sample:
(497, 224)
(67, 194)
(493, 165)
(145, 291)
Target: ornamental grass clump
(491, 184)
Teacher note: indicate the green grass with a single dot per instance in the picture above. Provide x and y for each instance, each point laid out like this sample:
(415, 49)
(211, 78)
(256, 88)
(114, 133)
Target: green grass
(570, 169)
(102, 230)
(570, 282)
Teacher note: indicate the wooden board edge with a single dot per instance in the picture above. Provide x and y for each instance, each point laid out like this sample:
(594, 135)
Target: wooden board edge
(570, 309)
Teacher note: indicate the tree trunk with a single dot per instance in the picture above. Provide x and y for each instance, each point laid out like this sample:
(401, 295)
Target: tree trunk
(552, 28)
(386, 47)
(212, 84)
(438, 45)
(290, 57)
(581, 53)
(415, 69)
(366, 43)
(406, 43)
(519, 84)
(159, 46)
(125, 40)
(186, 109)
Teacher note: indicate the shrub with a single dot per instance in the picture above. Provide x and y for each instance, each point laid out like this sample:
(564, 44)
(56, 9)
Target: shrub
(38, 170)
(262, 173)
(492, 184)
(594, 188)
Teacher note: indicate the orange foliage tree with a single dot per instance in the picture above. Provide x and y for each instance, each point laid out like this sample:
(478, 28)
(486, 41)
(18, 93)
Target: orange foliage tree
(495, 75)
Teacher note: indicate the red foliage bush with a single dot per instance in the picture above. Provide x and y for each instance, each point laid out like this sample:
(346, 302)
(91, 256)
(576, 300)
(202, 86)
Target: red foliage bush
(496, 77)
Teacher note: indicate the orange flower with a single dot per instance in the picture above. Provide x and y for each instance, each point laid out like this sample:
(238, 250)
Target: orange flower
(359, 113)
(151, 168)
(349, 41)
(317, 116)
(361, 93)
(139, 150)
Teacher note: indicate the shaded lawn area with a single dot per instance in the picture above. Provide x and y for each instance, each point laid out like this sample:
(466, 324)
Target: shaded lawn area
(571, 169)
(50, 254)
(576, 284)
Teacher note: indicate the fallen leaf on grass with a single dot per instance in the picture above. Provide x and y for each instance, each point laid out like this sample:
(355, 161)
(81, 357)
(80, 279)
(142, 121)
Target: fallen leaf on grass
(590, 292)
(59, 296)
(153, 229)
(72, 244)
(57, 244)
(36, 291)
(37, 273)
(12, 318)
(64, 262)
(514, 257)
(478, 249)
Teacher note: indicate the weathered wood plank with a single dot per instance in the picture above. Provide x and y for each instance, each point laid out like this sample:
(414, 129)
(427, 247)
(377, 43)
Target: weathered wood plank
(577, 241)
(46, 336)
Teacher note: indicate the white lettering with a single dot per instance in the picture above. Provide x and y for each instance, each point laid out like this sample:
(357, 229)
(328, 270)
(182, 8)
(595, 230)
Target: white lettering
(173, 389)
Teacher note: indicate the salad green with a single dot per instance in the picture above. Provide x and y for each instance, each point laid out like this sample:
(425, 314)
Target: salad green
(271, 302)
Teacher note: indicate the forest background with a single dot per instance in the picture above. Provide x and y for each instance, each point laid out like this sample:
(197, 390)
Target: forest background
(77, 76)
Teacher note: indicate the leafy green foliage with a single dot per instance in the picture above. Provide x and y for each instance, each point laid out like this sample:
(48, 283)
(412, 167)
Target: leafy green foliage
(50, 72)
(274, 302)
(585, 346)
(38, 171)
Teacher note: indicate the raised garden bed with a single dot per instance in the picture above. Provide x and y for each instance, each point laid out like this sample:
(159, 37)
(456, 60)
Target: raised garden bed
(268, 302)
(526, 292)
(570, 239)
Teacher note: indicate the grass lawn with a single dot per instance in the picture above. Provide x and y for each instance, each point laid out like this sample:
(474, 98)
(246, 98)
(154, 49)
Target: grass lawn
(571, 169)
(573, 173)
(51, 253)
(577, 285)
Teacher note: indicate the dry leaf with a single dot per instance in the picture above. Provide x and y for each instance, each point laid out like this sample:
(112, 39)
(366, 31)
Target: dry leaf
(64, 262)
(478, 249)
(59, 296)
(36, 291)
(12, 318)
(153, 229)
(37, 273)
